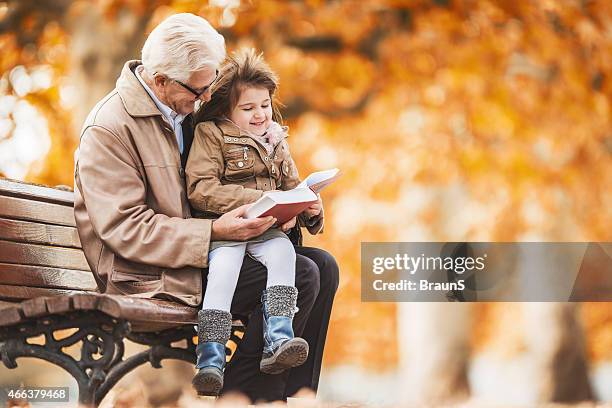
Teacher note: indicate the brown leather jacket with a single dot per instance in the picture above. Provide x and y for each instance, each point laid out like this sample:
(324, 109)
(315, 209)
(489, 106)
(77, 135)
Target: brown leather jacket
(131, 207)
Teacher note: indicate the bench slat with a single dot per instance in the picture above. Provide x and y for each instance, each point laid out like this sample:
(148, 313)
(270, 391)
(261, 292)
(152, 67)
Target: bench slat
(35, 233)
(4, 305)
(34, 307)
(86, 301)
(32, 254)
(59, 304)
(146, 314)
(10, 316)
(45, 306)
(147, 310)
(20, 293)
(45, 277)
(35, 192)
(23, 209)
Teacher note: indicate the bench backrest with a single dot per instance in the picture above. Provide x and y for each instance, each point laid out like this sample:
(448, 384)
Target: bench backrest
(40, 251)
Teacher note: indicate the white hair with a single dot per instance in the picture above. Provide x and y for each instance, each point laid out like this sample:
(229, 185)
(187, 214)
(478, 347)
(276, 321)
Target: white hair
(182, 44)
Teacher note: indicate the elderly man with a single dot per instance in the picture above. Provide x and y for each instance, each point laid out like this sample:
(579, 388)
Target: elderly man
(134, 219)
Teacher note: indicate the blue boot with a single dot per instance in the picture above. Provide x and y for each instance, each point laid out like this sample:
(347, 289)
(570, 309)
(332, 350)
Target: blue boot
(281, 349)
(214, 327)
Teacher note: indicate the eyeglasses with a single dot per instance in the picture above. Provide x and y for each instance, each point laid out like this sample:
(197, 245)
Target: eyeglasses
(196, 92)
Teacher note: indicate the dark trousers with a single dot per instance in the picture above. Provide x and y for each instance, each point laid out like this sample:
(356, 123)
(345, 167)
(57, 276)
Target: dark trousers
(316, 279)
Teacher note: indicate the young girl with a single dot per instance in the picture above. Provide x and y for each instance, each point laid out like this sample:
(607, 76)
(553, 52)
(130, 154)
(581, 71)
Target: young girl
(239, 152)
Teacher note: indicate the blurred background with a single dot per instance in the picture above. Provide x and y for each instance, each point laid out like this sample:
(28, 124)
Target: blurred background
(452, 120)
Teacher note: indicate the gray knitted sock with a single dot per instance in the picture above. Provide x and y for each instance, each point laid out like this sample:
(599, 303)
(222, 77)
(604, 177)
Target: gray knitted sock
(214, 325)
(281, 300)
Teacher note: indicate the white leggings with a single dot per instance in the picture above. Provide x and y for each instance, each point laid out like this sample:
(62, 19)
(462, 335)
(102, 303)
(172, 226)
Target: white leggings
(224, 263)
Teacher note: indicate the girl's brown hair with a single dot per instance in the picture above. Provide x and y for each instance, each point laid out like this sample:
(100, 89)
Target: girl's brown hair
(244, 68)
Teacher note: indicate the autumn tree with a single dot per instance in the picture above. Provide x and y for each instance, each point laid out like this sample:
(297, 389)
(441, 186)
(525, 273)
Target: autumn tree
(458, 120)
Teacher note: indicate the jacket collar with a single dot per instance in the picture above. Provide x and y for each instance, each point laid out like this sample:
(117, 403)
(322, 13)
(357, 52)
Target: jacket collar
(230, 129)
(135, 98)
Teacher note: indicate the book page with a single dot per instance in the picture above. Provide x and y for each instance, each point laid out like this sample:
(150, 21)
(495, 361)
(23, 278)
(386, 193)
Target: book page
(297, 195)
(319, 180)
(259, 207)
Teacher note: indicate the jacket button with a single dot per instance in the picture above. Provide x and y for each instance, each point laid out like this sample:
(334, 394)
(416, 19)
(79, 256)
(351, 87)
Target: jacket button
(240, 164)
(182, 172)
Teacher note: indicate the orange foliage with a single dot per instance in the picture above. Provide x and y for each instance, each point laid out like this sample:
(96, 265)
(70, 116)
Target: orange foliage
(451, 120)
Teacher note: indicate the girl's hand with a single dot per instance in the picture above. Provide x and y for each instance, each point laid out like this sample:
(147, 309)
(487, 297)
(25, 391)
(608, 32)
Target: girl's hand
(288, 225)
(314, 209)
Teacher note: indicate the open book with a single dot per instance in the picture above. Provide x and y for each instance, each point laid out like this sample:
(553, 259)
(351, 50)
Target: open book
(284, 205)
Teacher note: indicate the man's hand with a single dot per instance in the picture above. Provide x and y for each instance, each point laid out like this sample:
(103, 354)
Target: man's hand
(232, 227)
(288, 225)
(314, 209)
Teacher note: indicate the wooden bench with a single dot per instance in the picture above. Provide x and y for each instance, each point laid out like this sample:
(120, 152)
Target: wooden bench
(46, 287)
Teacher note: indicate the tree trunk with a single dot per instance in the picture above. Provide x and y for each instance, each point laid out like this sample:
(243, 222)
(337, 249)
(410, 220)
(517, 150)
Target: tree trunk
(433, 347)
(555, 340)
(100, 45)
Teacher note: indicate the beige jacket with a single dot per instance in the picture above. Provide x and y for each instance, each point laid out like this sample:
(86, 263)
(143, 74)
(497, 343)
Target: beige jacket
(131, 207)
(227, 168)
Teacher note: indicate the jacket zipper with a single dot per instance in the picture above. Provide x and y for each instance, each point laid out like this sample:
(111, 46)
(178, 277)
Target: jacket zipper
(244, 150)
(270, 161)
(273, 155)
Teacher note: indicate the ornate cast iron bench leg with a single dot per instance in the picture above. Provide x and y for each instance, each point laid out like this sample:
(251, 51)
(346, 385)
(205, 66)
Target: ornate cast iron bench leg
(98, 334)
(102, 363)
